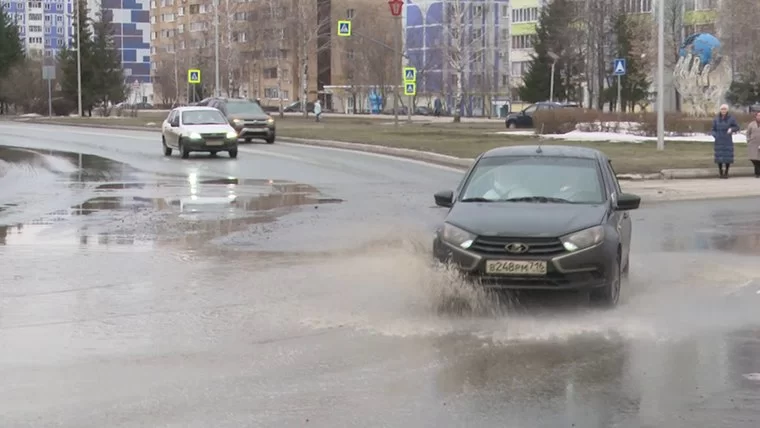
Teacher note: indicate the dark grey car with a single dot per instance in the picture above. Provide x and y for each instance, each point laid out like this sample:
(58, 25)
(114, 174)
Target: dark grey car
(539, 218)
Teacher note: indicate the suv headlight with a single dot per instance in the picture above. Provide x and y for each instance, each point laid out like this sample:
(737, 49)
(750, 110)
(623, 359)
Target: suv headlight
(232, 135)
(270, 120)
(195, 136)
(456, 236)
(584, 239)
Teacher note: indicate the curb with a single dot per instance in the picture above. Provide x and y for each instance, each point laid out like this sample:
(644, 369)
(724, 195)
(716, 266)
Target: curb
(431, 157)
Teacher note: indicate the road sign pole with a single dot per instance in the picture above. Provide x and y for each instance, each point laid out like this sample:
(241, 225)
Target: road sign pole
(50, 98)
(619, 95)
(661, 75)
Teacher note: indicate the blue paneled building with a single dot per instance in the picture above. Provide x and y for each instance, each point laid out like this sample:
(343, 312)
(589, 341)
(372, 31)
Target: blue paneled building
(427, 40)
(131, 21)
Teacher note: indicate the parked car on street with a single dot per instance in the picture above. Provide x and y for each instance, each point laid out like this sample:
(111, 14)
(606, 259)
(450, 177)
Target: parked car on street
(539, 218)
(198, 129)
(524, 118)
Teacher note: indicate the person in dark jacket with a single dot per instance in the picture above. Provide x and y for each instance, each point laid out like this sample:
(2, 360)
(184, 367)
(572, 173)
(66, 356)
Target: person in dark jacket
(723, 128)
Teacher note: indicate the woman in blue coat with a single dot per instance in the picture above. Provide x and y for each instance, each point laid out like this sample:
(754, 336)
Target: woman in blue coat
(723, 128)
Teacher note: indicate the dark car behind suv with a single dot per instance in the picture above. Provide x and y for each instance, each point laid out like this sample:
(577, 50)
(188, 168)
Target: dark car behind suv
(524, 118)
(539, 218)
(246, 116)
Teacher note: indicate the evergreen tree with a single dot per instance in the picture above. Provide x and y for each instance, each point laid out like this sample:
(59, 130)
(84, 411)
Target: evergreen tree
(552, 35)
(108, 83)
(67, 59)
(11, 50)
(635, 84)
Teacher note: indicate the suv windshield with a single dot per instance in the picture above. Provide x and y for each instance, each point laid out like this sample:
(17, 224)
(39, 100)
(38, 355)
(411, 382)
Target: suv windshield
(244, 107)
(203, 117)
(535, 179)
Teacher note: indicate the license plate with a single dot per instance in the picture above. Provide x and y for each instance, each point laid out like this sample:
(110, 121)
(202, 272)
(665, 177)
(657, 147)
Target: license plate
(515, 267)
(214, 142)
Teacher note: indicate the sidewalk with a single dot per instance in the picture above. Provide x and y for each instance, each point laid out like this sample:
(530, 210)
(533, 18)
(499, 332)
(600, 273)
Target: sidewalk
(683, 190)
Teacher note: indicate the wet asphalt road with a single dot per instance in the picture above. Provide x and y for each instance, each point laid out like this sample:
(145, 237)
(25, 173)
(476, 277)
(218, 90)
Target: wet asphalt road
(134, 294)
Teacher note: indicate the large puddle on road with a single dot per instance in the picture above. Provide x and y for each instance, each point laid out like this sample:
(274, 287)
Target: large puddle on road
(120, 205)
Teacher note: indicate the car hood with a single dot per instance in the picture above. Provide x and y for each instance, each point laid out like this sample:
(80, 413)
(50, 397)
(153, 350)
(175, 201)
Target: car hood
(513, 115)
(517, 219)
(208, 129)
(249, 116)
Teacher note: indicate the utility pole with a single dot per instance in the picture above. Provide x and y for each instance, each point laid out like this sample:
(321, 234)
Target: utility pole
(79, 58)
(661, 76)
(217, 92)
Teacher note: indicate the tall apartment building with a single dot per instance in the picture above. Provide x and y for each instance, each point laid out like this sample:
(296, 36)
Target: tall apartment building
(428, 39)
(250, 32)
(44, 25)
(130, 20)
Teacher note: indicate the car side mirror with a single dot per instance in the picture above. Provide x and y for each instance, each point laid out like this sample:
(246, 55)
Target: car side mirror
(627, 201)
(444, 198)
(174, 123)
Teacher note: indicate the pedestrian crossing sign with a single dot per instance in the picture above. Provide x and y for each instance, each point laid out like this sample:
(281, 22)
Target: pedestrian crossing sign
(619, 67)
(410, 74)
(344, 28)
(193, 76)
(410, 89)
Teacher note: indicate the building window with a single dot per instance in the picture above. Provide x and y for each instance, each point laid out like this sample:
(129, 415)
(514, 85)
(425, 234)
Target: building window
(505, 11)
(637, 6)
(504, 80)
(35, 29)
(59, 30)
(153, 19)
(528, 14)
(153, 35)
(167, 17)
(272, 93)
(523, 41)
(197, 26)
(477, 10)
(181, 28)
(35, 17)
(700, 5)
(59, 43)
(152, 4)
(270, 73)
(240, 36)
(519, 68)
(350, 13)
(241, 16)
(477, 34)
(194, 9)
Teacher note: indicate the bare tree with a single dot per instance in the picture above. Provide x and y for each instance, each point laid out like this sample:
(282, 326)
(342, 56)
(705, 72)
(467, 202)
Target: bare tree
(305, 22)
(22, 89)
(464, 46)
(738, 25)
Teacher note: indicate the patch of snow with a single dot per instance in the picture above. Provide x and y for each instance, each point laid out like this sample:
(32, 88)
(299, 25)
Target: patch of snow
(615, 137)
(31, 115)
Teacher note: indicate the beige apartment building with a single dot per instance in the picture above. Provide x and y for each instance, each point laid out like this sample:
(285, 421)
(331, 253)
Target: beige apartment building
(256, 37)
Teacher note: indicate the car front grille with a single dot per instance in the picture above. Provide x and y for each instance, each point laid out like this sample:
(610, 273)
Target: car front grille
(254, 123)
(214, 136)
(496, 246)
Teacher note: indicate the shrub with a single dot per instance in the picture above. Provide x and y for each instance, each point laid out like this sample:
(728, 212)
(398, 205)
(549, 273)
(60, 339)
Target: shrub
(561, 121)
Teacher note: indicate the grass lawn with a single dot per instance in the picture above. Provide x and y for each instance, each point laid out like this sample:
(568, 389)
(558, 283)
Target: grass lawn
(467, 139)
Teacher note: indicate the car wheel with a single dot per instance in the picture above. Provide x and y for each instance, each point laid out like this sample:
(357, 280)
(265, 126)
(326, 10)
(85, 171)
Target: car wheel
(167, 149)
(512, 125)
(213, 153)
(609, 295)
(233, 153)
(184, 152)
(270, 140)
(627, 266)
(248, 140)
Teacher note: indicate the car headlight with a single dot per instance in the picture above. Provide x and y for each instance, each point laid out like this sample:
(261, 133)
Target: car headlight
(270, 120)
(456, 236)
(584, 239)
(195, 136)
(237, 121)
(232, 135)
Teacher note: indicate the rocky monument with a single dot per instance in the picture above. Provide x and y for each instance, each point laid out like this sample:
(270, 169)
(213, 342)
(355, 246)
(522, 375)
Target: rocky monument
(702, 75)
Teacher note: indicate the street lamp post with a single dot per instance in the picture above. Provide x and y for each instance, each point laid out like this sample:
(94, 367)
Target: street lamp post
(661, 76)
(554, 58)
(79, 59)
(217, 92)
(396, 8)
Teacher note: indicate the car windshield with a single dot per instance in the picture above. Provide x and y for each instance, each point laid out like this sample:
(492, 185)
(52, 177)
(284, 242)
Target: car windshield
(535, 179)
(203, 117)
(243, 107)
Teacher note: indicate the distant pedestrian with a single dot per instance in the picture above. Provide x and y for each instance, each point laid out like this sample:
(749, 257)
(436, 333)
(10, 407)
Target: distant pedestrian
(437, 106)
(723, 128)
(753, 143)
(317, 110)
